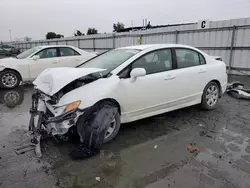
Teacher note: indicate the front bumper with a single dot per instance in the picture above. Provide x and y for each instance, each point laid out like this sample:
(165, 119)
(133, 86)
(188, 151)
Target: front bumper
(43, 117)
(60, 125)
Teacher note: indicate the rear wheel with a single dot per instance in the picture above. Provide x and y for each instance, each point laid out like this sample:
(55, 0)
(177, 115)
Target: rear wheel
(210, 96)
(9, 79)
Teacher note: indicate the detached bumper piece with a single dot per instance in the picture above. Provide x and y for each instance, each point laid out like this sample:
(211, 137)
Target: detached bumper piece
(91, 127)
(238, 91)
(35, 124)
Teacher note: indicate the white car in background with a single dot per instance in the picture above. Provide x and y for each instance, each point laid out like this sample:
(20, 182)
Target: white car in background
(29, 64)
(141, 81)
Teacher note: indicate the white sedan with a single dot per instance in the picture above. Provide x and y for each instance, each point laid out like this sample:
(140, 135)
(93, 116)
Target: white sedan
(141, 81)
(29, 64)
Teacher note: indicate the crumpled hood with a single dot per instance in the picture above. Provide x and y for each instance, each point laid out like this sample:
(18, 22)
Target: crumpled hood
(52, 80)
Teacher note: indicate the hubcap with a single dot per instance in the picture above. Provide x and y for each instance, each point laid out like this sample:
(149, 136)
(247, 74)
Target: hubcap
(110, 129)
(9, 80)
(212, 95)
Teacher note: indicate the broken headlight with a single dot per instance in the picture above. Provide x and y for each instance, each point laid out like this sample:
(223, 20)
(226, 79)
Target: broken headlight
(67, 108)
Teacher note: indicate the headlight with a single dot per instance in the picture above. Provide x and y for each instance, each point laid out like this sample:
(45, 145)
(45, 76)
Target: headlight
(67, 108)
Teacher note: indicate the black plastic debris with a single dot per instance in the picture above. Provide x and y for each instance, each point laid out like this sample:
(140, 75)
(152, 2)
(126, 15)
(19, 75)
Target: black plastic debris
(92, 127)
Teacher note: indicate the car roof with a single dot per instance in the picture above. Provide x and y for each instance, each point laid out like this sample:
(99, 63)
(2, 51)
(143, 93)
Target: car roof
(146, 46)
(53, 46)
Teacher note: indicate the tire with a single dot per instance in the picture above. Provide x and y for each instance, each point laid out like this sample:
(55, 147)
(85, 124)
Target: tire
(210, 96)
(117, 120)
(9, 79)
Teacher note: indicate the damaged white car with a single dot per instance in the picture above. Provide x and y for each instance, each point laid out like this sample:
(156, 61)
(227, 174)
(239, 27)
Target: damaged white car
(140, 81)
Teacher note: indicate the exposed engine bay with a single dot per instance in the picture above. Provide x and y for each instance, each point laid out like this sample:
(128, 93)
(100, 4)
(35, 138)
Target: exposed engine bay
(90, 124)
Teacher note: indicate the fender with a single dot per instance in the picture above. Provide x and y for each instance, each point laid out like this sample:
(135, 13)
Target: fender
(19, 66)
(92, 93)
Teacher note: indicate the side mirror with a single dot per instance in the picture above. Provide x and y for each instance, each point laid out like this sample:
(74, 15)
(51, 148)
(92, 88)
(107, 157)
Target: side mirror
(137, 72)
(36, 57)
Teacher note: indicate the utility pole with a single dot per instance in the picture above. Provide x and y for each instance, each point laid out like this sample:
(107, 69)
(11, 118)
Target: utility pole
(10, 36)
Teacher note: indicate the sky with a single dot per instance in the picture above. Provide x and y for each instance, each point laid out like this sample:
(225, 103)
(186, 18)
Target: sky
(34, 18)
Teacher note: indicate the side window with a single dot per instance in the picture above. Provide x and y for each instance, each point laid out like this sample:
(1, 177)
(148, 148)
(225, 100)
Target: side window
(202, 59)
(47, 53)
(188, 58)
(154, 62)
(67, 52)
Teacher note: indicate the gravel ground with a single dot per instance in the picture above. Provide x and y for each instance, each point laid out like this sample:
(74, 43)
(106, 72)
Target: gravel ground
(148, 153)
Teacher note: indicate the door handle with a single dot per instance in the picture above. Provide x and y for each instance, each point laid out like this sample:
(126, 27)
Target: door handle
(169, 77)
(202, 71)
(55, 61)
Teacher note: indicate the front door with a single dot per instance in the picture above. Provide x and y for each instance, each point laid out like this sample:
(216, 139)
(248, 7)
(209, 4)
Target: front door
(147, 94)
(48, 58)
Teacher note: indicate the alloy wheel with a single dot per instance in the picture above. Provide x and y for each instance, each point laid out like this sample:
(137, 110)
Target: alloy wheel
(110, 129)
(9, 80)
(212, 95)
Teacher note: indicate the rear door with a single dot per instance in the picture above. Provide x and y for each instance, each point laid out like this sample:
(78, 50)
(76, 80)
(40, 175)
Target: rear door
(49, 58)
(190, 75)
(69, 57)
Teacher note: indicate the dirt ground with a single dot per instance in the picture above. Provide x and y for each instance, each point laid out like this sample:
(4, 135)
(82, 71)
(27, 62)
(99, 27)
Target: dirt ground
(148, 153)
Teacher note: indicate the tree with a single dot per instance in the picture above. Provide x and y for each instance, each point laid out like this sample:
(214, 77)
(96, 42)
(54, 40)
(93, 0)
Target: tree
(50, 35)
(78, 33)
(118, 27)
(53, 35)
(27, 39)
(92, 31)
(58, 36)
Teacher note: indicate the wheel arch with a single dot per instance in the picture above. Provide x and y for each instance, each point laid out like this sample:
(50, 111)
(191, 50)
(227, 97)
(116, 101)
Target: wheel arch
(217, 82)
(10, 69)
(113, 101)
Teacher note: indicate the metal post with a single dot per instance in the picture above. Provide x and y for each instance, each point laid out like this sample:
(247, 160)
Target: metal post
(56, 42)
(66, 42)
(78, 43)
(113, 41)
(94, 44)
(176, 37)
(141, 39)
(231, 50)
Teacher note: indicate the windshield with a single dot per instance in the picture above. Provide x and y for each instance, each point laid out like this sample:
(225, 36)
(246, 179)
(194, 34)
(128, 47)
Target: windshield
(110, 60)
(28, 52)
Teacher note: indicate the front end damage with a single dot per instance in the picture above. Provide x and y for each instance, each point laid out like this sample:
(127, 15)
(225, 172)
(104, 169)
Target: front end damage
(50, 118)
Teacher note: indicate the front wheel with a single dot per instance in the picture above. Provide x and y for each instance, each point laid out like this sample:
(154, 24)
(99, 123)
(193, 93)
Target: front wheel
(9, 79)
(113, 129)
(210, 96)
